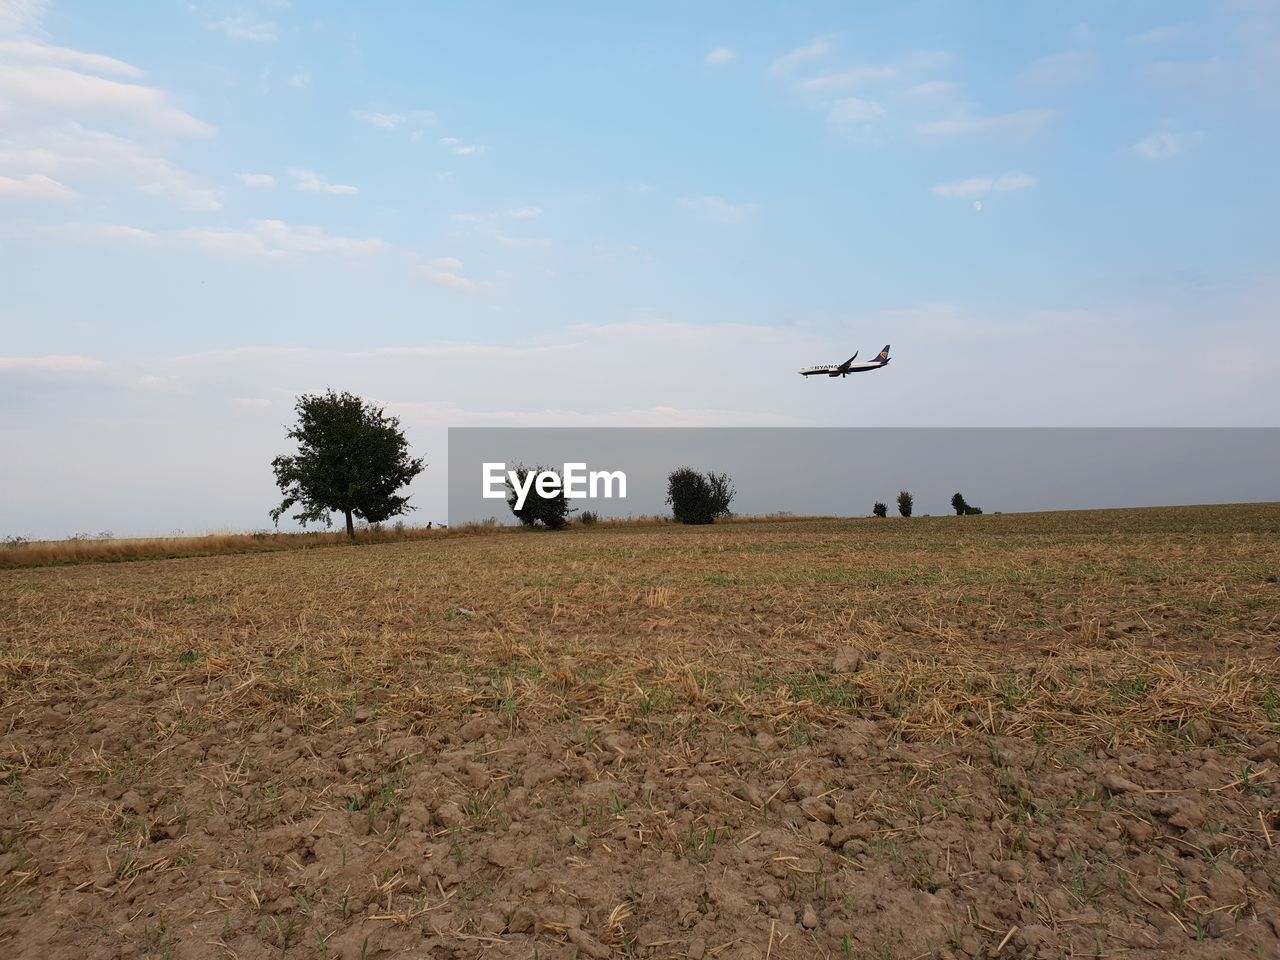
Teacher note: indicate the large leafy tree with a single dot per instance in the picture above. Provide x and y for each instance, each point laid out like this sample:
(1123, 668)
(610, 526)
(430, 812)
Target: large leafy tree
(352, 459)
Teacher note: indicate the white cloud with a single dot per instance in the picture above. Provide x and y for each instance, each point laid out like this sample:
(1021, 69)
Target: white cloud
(53, 364)
(816, 50)
(1061, 69)
(308, 181)
(21, 17)
(71, 152)
(34, 186)
(447, 272)
(42, 92)
(1017, 123)
(846, 79)
(98, 232)
(855, 110)
(256, 179)
(460, 149)
(393, 121)
(719, 210)
(32, 52)
(981, 186)
(245, 27)
(525, 212)
(1162, 34)
(932, 88)
(275, 239)
(721, 55)
(299, 80)
(1163, 145)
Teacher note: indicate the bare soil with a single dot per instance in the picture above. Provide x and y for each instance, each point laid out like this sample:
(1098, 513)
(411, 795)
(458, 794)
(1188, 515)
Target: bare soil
(1039, 736)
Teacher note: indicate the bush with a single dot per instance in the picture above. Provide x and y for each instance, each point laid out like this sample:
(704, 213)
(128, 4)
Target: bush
(880, 510)
(699, 498)
(958, 504)
(972, 511)
(905, 502)
(550, 512)
(588, 517)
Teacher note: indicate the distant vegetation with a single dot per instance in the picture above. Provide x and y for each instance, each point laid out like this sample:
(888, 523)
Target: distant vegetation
(962, 508)
(548, 511)
(905, 503)
(588, 518)
(698, 498)
(352, 459)
(880, 510)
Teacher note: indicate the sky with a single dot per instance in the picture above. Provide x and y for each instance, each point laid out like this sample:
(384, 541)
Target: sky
(613, 215)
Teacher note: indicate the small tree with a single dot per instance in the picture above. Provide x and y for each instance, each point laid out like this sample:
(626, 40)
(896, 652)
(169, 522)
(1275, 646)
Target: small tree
(880, 510)
(958, 504)
(351, 459)
(905, 502)
(699, 498)
(551, 512)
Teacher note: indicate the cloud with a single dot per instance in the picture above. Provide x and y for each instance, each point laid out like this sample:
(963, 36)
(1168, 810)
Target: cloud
(981, 186)
(299, 80)
(460, 149)
(256, 179)
(34, 186)
(815, 50)
(932, 88)
(54, 364)
(1020, 123)
(21, 17)
(47, 91)
(393, 121)
(275, 239)
(528, 211)
(308, 181)
(1163, 145)
(1163, 34)
(721, 55)
(855, 110)
(846, 79)
(43, 53)
(447, 272)
(98, 232)
(1061, 69)
(245, 27)
(719, 210)
(73, 153)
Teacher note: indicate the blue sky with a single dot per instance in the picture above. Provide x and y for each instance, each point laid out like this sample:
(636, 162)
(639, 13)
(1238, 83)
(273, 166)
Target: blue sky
(1059, 214)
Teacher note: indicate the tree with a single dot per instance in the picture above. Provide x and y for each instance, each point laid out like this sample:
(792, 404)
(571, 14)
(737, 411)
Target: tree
(351, 459)
(905, 502)
(699, 498)
(957, 502)
(880, 510)
(551, 511)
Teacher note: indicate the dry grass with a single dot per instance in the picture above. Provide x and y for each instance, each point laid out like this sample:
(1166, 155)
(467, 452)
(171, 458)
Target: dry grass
(643, 736)
(1119, 624)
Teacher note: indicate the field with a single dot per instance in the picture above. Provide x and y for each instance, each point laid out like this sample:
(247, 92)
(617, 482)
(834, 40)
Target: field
(1046, 736)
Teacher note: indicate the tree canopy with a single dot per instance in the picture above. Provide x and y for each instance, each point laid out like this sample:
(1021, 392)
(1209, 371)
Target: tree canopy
(699, 498)
(352, 459)
(550, 511)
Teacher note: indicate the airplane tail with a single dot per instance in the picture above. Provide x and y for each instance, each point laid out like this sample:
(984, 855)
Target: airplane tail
(884, 354)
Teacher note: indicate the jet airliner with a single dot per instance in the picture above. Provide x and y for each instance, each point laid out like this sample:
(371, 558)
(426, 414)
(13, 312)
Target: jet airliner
(848, 367)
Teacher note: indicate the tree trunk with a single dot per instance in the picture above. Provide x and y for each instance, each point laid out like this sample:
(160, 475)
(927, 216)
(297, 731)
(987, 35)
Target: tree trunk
(351, 530)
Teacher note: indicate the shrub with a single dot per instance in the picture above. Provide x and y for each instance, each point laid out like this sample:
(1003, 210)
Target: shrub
(550, 512)
(699, 498)
(972, 511)
(880, 510)
(905, 502)
(588, 517)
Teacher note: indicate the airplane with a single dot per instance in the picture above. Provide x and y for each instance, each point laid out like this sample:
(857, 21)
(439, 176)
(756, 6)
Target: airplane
(848, 367)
